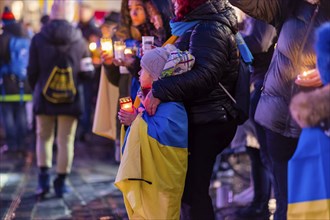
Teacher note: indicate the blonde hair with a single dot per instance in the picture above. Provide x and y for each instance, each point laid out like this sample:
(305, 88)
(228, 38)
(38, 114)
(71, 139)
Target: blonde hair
(63, 10)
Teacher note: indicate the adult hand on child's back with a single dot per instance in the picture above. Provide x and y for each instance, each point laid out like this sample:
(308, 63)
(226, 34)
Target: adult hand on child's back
(151, 103)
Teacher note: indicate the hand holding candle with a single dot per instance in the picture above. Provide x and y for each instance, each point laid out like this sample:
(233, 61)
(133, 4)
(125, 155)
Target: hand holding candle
(309, 78)
(127, 112)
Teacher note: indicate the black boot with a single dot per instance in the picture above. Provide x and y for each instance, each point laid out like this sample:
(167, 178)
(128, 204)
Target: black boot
(255, 210)
(59, 185)
(43, 185)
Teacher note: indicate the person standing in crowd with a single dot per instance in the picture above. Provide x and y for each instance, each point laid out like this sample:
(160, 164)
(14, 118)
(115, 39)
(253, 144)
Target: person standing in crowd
(295, 22)
(260, 37)
(88, 88)
(138, 18)
(58, 57)
(110, 25)
(309, 168)
(203, 27)
(14, 89)
(158, 154)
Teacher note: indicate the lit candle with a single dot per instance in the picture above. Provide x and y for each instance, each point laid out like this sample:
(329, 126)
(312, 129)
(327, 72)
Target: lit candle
(305, 74)
(119, 47)
(126, 104)
(128, 51)
(106, 45)
(92, 46)
(147, 43)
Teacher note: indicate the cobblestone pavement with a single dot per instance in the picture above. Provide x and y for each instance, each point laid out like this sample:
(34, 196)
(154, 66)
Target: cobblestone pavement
(92, 193)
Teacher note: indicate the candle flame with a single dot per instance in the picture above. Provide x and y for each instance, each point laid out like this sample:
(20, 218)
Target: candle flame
(92, 46)
(128, 51)
(127, 106)
(107, 46)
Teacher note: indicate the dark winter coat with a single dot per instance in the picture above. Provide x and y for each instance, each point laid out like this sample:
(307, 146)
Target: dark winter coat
(57, 35)
(10, 85)
(292, 19)
(260, 40)
(212, 43)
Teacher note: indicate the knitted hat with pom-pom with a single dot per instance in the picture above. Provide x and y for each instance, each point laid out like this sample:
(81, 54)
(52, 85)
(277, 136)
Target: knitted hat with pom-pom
(7, 16)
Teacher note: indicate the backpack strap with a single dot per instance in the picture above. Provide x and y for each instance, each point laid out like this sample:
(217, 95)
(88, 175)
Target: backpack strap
(246, 56)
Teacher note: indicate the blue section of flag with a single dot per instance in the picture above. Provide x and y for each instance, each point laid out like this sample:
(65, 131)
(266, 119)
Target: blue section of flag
(169, 125)
(309, 168)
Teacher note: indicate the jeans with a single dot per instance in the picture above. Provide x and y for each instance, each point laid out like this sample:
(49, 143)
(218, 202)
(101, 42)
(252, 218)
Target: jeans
(86, 99)
(15, 123)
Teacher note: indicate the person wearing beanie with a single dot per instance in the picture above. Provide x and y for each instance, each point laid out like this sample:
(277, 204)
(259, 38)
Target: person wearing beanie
(311, 110)
(7, 16)
(12, 102)
(155, 64)
(158, 154)
(58, 44)
(62, 10)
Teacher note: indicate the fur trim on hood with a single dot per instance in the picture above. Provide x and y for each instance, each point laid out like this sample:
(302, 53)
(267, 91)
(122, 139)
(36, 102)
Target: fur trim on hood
(309, 109)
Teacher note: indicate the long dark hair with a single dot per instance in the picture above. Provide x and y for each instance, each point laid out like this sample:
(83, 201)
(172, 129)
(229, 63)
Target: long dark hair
(164, 7)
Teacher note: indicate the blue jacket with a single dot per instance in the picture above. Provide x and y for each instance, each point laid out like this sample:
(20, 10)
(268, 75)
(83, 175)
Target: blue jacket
(9, 88)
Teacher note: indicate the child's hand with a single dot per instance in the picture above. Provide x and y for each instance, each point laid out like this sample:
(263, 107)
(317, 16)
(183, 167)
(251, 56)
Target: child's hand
(127, 118)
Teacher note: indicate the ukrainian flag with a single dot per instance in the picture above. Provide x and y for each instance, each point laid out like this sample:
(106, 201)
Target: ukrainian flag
(309, 177)
(153, 167)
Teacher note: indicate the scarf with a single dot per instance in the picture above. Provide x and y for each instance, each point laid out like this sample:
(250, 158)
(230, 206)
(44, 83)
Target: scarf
(180, 27)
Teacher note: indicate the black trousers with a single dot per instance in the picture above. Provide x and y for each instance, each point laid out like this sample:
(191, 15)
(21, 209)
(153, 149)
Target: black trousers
(280, 150)
(205, 143)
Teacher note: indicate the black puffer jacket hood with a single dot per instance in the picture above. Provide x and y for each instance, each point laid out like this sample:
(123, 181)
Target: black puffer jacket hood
(215, 11)
(61, 32)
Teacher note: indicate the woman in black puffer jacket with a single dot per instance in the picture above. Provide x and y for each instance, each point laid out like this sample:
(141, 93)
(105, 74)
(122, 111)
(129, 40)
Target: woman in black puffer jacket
(206, 29)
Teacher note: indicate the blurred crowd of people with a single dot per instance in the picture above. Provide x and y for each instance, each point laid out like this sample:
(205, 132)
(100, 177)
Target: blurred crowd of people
(59, 90)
